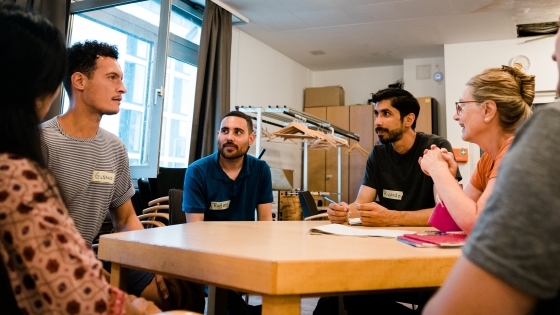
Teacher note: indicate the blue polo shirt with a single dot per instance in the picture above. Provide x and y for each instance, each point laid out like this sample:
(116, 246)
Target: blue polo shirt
(209, 190)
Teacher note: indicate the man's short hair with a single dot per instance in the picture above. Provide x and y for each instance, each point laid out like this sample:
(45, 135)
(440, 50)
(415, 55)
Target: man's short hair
(400, 99)
(236, 113)
(82, 57)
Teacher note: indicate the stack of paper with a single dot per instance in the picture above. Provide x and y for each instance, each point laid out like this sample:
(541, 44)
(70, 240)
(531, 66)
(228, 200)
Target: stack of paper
(338, 229)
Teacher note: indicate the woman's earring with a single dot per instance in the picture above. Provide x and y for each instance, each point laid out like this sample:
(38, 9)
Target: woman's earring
(486, 119)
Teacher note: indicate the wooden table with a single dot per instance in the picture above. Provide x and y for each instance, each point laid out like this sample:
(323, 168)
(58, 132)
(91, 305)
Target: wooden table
(279, 260)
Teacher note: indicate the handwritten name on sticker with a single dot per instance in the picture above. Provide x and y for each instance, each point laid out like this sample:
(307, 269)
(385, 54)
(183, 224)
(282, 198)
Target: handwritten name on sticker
(392, 194)
(219, 205)
(103, 177)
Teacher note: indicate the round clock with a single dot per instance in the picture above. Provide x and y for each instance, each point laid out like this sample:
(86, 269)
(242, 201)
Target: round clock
(520, 62)
(438, 76)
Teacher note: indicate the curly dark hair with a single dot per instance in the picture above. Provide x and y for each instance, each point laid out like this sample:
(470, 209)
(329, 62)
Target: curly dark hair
(400, 99)
(82, 57)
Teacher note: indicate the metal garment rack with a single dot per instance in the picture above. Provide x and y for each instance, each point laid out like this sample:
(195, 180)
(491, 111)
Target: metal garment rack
(286, 115)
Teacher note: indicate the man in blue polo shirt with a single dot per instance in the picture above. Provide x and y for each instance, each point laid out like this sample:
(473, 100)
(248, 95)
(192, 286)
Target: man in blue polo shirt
(229, 184)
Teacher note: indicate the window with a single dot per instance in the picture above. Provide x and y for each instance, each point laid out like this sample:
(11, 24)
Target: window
(177, 115)
(151, 48)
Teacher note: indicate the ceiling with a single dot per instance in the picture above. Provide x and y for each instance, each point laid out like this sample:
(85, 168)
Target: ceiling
(372, 33)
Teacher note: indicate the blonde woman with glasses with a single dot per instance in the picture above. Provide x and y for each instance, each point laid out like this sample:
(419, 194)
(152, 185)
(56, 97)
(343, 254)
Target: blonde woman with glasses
(494, 103)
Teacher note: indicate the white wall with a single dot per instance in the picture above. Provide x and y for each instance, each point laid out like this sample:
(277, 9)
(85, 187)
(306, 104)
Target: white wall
(261, 76)
(465, 60)
(358, 84)
(427, 87)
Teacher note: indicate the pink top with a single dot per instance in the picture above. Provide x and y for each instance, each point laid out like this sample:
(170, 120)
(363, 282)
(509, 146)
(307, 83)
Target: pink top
(51, 268)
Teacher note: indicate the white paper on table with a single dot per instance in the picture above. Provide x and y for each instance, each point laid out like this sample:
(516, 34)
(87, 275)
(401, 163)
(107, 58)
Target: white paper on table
(354, 221)
(338, 229)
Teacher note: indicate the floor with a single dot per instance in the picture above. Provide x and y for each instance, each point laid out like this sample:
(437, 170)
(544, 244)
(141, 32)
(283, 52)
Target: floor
(307, 304)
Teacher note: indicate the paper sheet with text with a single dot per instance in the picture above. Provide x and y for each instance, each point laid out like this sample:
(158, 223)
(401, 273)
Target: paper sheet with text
(339, 229)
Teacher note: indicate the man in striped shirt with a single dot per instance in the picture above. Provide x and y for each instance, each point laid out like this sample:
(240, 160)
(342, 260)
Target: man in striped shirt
(91, 164)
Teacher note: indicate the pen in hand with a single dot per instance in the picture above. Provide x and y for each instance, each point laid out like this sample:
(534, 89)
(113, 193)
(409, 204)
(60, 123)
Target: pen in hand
(336, 203)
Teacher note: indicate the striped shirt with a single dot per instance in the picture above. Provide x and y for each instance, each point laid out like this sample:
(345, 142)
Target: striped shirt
(92, 173)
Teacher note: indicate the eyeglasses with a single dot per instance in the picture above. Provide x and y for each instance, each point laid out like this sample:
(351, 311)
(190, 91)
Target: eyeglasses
(459, 108)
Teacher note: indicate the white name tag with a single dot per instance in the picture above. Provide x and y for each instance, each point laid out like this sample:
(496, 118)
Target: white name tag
(392, 194)
(219, 205)
(103, 177)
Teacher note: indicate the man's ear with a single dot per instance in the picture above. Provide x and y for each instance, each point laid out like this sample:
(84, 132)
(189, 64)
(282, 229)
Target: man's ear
(409, 120)
(78, 81)
(252, 138)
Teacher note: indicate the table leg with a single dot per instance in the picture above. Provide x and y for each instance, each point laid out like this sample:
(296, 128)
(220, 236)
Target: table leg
(281, 304)
(341, 310)
(119, 276)
(217, 301)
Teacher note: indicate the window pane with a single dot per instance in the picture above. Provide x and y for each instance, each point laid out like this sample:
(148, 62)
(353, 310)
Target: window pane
(185, 25)
(177, 114)
(133, 28)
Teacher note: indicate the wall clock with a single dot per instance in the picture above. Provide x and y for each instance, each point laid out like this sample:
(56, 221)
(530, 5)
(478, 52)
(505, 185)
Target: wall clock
(520, 62)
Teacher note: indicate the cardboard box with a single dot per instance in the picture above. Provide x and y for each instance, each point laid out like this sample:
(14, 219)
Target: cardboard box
(289, 207)
(324, 96)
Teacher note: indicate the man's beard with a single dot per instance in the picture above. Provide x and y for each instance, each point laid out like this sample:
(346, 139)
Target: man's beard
(390, 136)
(239, 153)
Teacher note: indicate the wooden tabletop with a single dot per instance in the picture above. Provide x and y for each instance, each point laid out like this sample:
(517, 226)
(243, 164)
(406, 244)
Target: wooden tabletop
(279, 258)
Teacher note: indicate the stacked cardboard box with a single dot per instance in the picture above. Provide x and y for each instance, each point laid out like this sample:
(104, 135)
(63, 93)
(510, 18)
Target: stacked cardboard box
(324, 96)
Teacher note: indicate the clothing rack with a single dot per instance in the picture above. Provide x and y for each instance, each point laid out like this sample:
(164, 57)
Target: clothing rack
(286, 115)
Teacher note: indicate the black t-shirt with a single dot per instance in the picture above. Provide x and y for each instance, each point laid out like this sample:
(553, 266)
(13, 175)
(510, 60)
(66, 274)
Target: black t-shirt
(398, 178)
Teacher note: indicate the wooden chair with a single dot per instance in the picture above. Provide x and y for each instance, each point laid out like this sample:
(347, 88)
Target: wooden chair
(176, 214)
(168, 178)
(308, 207)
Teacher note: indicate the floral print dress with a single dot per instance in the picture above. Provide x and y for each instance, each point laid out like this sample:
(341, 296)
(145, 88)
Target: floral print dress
(51, 268)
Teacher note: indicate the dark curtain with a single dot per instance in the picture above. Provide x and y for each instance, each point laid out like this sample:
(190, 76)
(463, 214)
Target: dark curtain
(58, 12)
(211, 100)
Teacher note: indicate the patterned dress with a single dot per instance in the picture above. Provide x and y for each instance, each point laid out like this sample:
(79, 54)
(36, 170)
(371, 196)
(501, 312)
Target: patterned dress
(51, 268)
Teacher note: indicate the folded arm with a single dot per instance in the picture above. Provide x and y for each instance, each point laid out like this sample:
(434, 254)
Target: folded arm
(463, 206)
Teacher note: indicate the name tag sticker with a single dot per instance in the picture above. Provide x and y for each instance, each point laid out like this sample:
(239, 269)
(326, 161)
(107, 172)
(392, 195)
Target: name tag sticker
(103, 177)
(392, 194)
(219, 205)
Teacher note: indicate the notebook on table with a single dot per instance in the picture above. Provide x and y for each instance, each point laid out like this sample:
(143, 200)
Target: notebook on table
(434, 239)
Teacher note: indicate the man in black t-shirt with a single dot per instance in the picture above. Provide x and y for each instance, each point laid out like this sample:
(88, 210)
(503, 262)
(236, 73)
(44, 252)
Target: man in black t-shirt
(406, 195)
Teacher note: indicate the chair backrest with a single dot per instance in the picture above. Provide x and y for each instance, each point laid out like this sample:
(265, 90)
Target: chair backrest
(176, 214)
(7, 299)
(145, 192)
(308, 206)
(167, 179)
